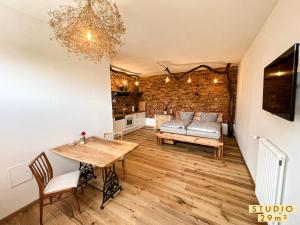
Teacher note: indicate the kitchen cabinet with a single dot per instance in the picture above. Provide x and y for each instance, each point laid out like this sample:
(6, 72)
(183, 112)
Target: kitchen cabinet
(132, 122)
(119, 125)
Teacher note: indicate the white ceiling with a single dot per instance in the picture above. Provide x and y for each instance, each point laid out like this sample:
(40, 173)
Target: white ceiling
(176, 32)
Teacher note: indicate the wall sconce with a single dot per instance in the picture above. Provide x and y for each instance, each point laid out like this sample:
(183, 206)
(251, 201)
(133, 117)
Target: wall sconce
(136, 82)
(189, 80)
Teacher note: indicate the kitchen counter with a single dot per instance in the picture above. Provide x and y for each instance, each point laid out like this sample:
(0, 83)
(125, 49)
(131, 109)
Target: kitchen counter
(118, 115)
(127, 122)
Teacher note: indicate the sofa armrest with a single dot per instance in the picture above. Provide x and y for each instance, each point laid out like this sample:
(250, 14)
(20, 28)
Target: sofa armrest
(220, 118)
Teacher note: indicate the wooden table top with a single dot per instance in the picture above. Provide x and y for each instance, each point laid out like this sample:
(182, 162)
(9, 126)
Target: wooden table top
(96, 151)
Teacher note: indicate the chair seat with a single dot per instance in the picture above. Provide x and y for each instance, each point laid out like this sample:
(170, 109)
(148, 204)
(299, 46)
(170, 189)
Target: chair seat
(62, 182)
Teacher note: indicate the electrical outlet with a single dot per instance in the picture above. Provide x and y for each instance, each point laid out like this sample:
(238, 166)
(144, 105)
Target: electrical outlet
(19, 174)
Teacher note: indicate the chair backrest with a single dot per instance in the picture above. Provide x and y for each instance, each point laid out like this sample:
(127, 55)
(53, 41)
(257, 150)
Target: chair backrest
(114, 135)
(41, 170)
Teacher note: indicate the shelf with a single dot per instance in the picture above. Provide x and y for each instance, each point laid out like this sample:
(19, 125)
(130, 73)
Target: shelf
(125, 93)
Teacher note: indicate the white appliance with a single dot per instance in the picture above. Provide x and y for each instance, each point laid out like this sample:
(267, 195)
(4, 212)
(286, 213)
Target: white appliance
(128, 121)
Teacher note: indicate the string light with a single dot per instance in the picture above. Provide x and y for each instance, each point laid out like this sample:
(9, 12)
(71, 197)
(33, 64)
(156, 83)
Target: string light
(215, 80)
(89, 35)
(279, 73)
(167, 79)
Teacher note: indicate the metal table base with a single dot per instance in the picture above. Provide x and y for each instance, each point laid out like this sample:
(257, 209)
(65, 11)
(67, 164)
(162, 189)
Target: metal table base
(111, 180)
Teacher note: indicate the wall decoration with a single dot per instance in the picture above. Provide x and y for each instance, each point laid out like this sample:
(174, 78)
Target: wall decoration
(224, 73)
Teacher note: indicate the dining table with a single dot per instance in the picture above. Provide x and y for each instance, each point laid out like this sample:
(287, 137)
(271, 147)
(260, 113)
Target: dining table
(98, 152)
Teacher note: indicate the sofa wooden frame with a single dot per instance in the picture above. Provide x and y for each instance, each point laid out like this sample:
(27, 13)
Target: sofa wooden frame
(164, 137)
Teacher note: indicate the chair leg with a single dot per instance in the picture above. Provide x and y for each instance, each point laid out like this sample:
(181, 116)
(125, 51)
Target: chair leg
(123, 167)
(76, 198)
(41, 209)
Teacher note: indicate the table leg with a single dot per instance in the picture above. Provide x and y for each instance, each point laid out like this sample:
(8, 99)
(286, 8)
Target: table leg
(86, 173)
(111, 180)
(111, 184)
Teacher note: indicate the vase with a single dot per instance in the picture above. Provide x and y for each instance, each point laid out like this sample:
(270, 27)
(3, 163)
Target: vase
(82, 140)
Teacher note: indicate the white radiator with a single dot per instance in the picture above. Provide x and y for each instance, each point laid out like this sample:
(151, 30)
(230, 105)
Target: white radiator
(270, 173)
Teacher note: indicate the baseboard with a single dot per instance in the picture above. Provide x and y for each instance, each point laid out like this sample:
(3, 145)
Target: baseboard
(10, 216)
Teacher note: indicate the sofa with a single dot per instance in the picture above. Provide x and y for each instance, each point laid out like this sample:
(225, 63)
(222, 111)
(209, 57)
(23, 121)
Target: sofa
(199, 124)
(200, 128)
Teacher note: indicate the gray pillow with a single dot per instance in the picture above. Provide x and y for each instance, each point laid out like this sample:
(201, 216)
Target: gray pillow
(186, 115)
(209, 117)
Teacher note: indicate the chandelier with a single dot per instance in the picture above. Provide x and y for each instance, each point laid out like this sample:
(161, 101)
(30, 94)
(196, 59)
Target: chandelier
(93, 28)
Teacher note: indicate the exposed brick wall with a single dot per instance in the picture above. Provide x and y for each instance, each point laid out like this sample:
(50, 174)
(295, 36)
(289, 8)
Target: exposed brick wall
(117, 81)
(124, 102)
(181, 95)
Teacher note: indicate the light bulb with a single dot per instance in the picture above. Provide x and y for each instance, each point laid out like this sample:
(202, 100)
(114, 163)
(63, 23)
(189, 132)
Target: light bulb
(89, 35)
(136, 83)
(167, 79)
(215, 80)
(189, 80)
(125, 82)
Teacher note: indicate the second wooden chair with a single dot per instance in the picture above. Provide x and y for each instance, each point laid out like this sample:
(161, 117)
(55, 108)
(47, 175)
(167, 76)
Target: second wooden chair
(117, 136)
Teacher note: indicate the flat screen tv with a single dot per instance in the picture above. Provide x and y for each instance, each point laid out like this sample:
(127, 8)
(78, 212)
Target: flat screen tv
(280, 83)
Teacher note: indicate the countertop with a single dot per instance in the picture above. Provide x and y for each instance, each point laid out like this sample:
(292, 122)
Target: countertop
(125, 114)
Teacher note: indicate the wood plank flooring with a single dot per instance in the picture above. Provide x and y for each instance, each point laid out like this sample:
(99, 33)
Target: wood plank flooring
(169, 184)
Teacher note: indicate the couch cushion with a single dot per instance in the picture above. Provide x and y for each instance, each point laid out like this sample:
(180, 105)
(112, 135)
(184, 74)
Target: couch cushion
(173, 130)
(202, 134)
(181, 124)
(186, 116)
(209, 117)
(197, 116)
(210, 127)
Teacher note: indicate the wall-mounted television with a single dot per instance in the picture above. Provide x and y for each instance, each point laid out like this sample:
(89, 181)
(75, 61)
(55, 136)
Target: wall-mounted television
(280, 84)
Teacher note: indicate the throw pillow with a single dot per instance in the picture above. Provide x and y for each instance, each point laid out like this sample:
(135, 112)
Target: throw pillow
(197, 116)
(209, 117)
(186, 115)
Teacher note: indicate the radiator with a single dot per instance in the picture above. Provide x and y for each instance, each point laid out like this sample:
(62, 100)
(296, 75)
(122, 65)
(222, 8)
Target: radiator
(270, 173)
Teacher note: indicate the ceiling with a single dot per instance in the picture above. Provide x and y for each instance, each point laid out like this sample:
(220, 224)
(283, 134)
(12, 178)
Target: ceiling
(179, 34)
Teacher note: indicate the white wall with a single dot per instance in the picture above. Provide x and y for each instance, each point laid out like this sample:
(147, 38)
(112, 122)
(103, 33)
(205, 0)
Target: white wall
(47, 98)
(281, 31)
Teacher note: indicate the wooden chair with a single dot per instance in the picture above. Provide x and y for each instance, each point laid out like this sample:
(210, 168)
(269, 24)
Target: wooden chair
(50, 186)
(117, 136)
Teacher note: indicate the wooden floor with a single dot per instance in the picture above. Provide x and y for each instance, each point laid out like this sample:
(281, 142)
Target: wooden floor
(169, 184)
